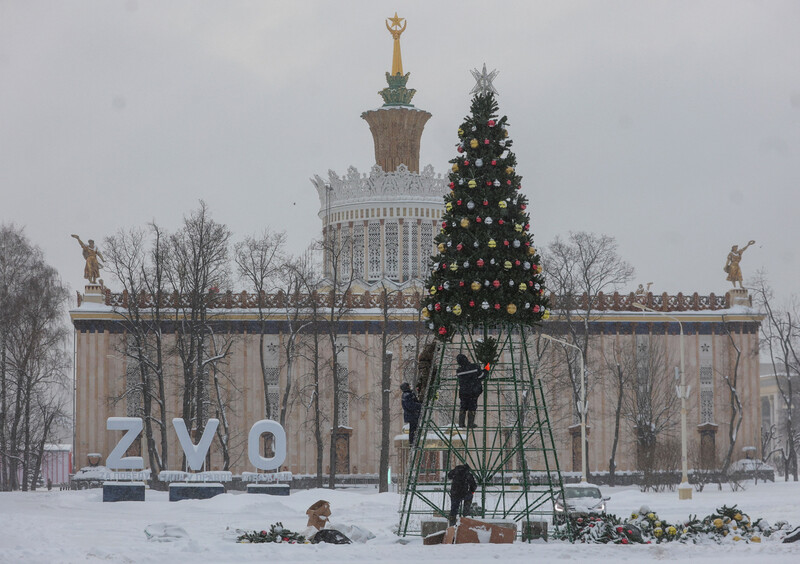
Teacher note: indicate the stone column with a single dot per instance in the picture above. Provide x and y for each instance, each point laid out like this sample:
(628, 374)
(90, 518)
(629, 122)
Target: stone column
(396, 132)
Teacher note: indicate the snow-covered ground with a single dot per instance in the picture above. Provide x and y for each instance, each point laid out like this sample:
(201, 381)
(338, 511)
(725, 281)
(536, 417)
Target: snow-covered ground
(76, 526)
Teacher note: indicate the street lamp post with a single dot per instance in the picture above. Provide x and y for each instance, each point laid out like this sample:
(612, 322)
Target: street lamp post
(684, 489)
(583, 401)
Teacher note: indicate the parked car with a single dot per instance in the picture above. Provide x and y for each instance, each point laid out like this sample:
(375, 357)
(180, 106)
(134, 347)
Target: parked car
(581, 500)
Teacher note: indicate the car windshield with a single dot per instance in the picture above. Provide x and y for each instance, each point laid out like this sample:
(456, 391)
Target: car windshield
(582, 492)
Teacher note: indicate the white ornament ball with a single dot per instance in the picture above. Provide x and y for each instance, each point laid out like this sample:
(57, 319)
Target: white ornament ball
(484, 305)
(488, 221)
(470, 205)
(479, 162)
(516, 243)
(496, 183)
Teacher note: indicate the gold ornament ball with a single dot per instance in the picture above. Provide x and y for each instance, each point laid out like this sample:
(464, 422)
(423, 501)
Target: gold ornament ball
(425, 313)
(464, 222)
(511, 309)
(507, 265)
(433, 290)
(492, 243)
(475, 286)
(455, 167)
(523, 287)
(546, 314)
(441, 247)
(531, 251)
(502, 204)
(453, 267)
(509, 170)
(518, 228)
(457, 309)
(460, 131)
(473, 143)
(448, 206)
(472, 184)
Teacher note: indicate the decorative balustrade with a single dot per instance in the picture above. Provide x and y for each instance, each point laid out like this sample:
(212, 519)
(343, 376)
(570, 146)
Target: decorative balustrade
(405, 300)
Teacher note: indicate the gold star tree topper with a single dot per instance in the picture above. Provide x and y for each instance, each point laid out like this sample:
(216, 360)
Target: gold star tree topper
(484, 81)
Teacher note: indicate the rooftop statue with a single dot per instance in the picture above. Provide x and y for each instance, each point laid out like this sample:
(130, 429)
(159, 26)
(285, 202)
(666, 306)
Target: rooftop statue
(732, 264)
(91, 253)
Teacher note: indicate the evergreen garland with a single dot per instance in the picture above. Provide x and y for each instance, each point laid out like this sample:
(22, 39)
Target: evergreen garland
(276, 533)
(728, 524)
(487, 270)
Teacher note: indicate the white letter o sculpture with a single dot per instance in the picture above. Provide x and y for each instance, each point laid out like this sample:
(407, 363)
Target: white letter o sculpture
(279, 446)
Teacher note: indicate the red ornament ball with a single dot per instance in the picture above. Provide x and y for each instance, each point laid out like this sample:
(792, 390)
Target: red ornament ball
(478, 219)
(472, 303)
(494, 162)
(496, 306)
(452, 185)
(485, 141)
(490, 123)
(480, 262)
(496, 283)
(442, 331)
(466, 163)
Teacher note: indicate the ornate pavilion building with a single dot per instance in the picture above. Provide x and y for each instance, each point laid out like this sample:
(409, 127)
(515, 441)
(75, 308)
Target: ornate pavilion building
(384, 222)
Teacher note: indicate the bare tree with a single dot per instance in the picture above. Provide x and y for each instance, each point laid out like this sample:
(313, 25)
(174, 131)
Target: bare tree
(651, 406)
(34, 361)
(390, 333)
(578, 270)
(780, 339)
(337, 252)
(138, 265)
(198, 267)
(259, 260)
(729, 374)
(621, 371)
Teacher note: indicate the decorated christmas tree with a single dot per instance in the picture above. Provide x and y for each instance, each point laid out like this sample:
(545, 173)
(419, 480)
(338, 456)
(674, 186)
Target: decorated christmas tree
(487, 271)
(485, 292)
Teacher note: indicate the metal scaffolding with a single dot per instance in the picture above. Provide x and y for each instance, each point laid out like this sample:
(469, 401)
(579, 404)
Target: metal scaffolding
(511, 450)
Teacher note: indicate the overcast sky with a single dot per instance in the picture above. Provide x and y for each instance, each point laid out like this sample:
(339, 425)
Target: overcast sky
(672, 126)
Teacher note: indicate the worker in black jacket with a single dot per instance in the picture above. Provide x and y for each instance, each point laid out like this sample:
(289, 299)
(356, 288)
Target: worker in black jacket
(462, 488)
(412, 408)
(470, 387)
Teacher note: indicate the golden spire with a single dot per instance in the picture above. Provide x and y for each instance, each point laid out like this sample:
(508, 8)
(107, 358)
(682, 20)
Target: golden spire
(395, 29)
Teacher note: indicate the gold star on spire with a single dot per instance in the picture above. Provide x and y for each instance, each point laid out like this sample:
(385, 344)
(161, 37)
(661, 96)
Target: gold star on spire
(484, 81)
(396, 22)
(396, 29)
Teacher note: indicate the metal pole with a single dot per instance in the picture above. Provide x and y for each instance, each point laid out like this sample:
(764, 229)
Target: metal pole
(584, 464)
(684, 489)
